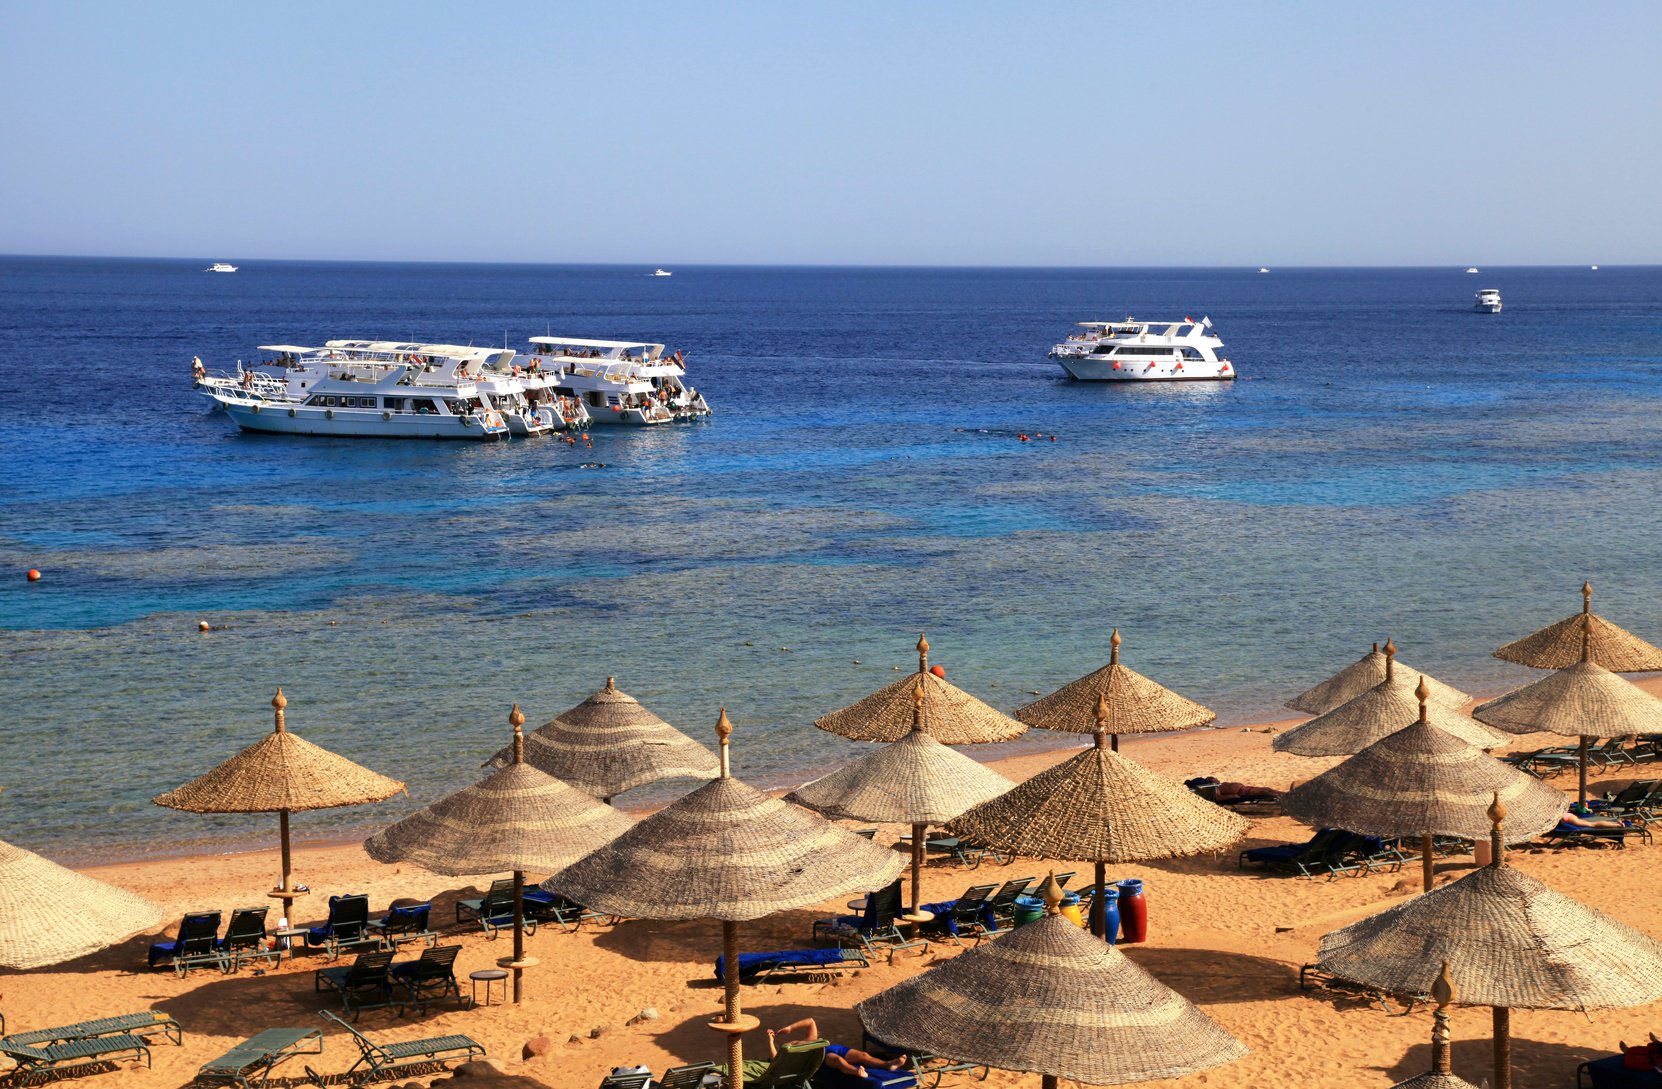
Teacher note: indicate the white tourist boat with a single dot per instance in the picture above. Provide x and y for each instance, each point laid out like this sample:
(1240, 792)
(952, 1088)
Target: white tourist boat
(1144, 351)
(626, 382)
(1488, 301)
(662, 272)
(220, 266)
(1472, 271)
(391, 389)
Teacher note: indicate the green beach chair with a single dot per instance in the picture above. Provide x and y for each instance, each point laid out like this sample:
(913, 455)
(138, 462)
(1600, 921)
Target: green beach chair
(46, 1062)
(380, 1060)
(250, 1063)
(793, 1068)
(127, 1024)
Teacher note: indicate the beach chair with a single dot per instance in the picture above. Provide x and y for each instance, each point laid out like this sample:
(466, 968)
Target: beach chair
(818, 964)
(46, 1062)
(1638, 798)
(627, 1079)
(927, 1067)
(429, 977)
(347, 926)
(690, 1076)
(250, 1063)
(495, 910)
(1003, 902)
(359, 984)
(1613, 1073)
(196, 945)
(143, 1024)
(866, 833)
(405, 922)
(244, 939)
(1568, 835)
(1312, 977)
(1307, 858)
(793, 1068)
(1609, 753)
(964, 853)
(966, 916)
(551, 907)
(873, 927)
(381, 1060)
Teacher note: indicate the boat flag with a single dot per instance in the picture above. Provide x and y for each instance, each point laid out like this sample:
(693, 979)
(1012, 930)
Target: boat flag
(1206, 323)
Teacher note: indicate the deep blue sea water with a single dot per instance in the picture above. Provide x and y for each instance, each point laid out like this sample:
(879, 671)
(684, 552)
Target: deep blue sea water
(1391, 463)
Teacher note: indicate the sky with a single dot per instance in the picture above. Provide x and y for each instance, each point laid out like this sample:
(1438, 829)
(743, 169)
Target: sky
(848, 132)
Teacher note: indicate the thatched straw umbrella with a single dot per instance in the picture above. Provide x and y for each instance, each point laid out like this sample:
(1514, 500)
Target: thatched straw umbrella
(1383, 709)
(1584, 700)
(1441, 1075)
(50, 914)
(1559, 645)
(726, 851)
(1101, 807)
(1363, 674)
(516, 819)
(1422, 782)
(917, 780)
(281, 773)
(950, 715)
(1049, 1000)
(1136, 705)
(1512, 940)
(609, 743)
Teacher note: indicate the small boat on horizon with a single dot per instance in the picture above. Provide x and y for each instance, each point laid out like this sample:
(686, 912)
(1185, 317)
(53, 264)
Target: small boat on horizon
(1144, 351)
(1488, 301)
(1261, 268)
(220, 266)
(662, 272)
(1472, 270)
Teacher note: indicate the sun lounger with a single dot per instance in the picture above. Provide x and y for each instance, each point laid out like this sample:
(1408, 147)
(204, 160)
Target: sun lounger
(968, 915)
(44, 1062)
(757, 967)
(251, 1062)
(1641, 799)
(633, 1079)
(1330, 852)
(1003, 902)
(1612, 1073)
(244, 939)
(347, 926)
(549, 907)
(429, 977)
(1311, 977)
(926, 1067)
(793, 1068)
(690, 1076)
(381, 1059)
(196, 946)
(128, 1024)
(405, 922)
(1569, 835)
(874, 927)
(495, 910)
(366, 983)
(961, 851)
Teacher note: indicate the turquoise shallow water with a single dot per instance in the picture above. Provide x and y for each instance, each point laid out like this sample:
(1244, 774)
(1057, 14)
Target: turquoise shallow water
(1391, 463)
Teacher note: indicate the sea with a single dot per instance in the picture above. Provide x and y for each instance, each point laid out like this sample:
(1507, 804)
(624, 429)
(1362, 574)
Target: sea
(1390, 463)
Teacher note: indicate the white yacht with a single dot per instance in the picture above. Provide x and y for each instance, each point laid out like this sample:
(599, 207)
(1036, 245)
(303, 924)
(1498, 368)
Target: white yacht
(1472, 271)
(220, 266)
(662, 272)
(619, 381)
(1261, 268)
(1488, 301)
(1144, 351)
(391, 389)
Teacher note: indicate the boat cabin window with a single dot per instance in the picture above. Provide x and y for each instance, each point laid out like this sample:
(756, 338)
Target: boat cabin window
(424, 406)
(393, 404)
(1191, 353)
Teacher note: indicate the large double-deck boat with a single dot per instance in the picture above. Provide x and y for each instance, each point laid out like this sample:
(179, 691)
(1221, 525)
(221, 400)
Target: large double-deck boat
(1488, 301)
(391, 389)
(220, 266)
(620, 381)
(1144, 351)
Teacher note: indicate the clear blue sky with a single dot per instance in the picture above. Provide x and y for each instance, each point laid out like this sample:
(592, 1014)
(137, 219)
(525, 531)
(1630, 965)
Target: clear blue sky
(836, 133)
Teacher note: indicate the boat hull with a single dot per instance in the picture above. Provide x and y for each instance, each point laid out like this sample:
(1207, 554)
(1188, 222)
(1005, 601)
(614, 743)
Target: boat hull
(1102, 370)
(362, 424)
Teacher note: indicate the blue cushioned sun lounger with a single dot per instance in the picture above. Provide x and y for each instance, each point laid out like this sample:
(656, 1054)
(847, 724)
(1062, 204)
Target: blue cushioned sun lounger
(755, 967)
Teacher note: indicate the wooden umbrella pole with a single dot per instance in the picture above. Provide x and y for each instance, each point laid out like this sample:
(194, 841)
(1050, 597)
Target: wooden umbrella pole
(1503, 1048)
(283, 834)
(1099, 902)
(1428, 860)
(1582, 751)
(730, 981)
(1049, 1081)
(519, 933)
(918, 831)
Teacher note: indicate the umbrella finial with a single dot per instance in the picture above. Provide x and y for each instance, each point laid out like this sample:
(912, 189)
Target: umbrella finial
(1423, 693)
(1114, 648)
(1390, 657)
(1442, 993)
(724, 731)
(923, 654)
(1587, 596)
(917, 707)
(1586, 637)
(611, 684)
(516, 719)
(1497, 814)
(280, 701)
(1101, 730)
(1051, 893)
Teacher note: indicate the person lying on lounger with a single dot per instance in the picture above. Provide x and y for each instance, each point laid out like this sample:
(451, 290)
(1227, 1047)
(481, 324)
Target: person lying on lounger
(839, 1057)
(1575, 819)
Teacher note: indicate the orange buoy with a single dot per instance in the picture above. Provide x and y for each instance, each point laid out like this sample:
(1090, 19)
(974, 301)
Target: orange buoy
(939, 671)
(34, 576)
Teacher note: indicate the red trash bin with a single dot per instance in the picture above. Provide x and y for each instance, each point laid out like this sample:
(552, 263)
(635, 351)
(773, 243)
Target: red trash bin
(1133, 911)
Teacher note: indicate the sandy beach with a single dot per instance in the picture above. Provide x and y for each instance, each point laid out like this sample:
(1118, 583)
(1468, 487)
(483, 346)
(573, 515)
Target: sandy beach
(1229, 940)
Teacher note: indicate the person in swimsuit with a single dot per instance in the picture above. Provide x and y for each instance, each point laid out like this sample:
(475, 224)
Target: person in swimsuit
(848, 1061)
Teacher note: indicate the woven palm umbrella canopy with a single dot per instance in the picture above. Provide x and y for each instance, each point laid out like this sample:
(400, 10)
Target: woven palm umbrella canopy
(1136, 705)
(609, 743)
(50, 914)
(1101, 807)
(515, 819)
(1383, 709)
(1583, 700)
(1421, 782)
(917, 780)
(726, 851)
(1513, 942)
(1558, 645)
(950, 715)
(1441, 1075)
(1363, 674)
(1050, 1000)
(281, 773)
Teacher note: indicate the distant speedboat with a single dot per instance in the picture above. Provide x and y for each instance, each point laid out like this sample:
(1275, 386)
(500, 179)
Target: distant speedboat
(1488, 301)
(1472, 270)
(662, 272)
(1595, 268)
(1261, 268)
(220, 266)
